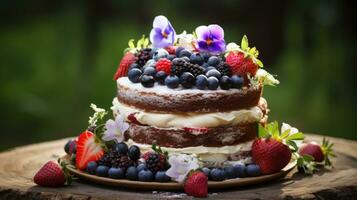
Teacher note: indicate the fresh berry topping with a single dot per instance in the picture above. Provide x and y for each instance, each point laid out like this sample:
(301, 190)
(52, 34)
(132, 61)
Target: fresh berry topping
(236, 81)
(121, 148)
(230, 172)
(172, 81)
(171, 50)
(159, 54)
(143, 56)
(196, 58)
(147, 81)
(160, 77)
(171, 57)
(92, 167)
(161, 176)
(87, 150)
(201, 82)
(50, 175)
(213, 61)
(70, 147)
(164, 64)
(224, 69)
(131, 173)
(132, 119)
(253, 170)
(134, 75)
(133, 66)
(141, 166)
(225, 83)
(195, 130)
(134, 152)
(156, 162)
(212, 83)
(102, 171)
(187, 80)
(196, 184)
(217, 174)
(124, 64)
(241, 170)
(241, 65)
(116, 173)
(214, 73)
(205, 56)
(178, 50)
(115, 159)
(145, 175)
(270, 154)
(185, 53)
(206, 171)
(150, 71)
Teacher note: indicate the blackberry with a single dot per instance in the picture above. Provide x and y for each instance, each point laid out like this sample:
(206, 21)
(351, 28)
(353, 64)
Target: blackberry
(179, 66)
(114, 159)
(156, 162)
(224, 69)
(143, 56)
(196, 69)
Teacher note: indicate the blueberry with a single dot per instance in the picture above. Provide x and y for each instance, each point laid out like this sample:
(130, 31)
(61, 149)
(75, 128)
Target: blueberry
(225, 83)
(253, 170)
(141, 166)
(240, 169)
(134, 65)
(116, 173)
(134, 152)
(102, 170)
(150, 63)
(212, 83)
(160, 53)
(147, 81)
(184, 52)
(205, 56)
(185, 58)
(214, 72)
(121, 147)
(201, 82)
(217, 174)
(213, 61)
(160, 77)
(146, 175)
(206, 171)
(161, 176)
(172, 81)
(178, 50)
(131, 173)
(149, 71)
(171, 57)
(92, 167)
(230, 172)
(66, 147)
(196, 58)
(209, 68)
(187, 80)
(236, 81)
(134, 75)
(176, 60)
(205, 65)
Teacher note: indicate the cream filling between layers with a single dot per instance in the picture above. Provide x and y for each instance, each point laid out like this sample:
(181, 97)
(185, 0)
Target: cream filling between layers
(173, 120)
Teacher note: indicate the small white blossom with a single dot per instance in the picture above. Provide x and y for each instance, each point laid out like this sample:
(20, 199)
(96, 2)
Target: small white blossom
(186, 40)
(181, 165)
(232, 47)
(99, 113)
(114, 130)
(292, 130)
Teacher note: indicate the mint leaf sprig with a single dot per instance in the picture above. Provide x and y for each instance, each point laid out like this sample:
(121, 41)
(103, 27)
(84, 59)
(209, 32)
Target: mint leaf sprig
(250, 51)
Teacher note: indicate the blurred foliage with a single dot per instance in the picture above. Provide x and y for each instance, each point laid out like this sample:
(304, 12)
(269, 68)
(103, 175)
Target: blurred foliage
(57, 57)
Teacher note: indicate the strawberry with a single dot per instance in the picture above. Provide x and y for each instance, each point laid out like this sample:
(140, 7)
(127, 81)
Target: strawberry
(320, 153)
(50, 175)
(132, 119)
(240, 64)
(196, 184)
(164, 64)
(195, 131)
(171, 50)
(88, 149)
(128, 59)
(270, 154)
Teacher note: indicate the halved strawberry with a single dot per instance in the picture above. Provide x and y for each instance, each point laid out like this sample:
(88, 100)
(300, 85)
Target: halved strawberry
(87, 150)
(195, 130)
(128, 59)
(132, 118)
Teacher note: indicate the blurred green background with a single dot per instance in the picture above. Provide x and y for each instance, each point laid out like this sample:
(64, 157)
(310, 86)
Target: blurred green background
(57, 57)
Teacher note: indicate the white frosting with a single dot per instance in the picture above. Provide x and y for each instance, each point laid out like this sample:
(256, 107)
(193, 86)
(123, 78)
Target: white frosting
(207, 120)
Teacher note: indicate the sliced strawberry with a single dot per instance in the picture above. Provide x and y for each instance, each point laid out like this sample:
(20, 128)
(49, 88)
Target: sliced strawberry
(87, 150)
(128, 59)
(132, 118)
(195, 130)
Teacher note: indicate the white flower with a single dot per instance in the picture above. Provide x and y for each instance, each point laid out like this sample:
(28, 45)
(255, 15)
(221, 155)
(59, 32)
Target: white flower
(265, 78)
(114, 130)
(181, 165)
(186, 40)
(232, 47)
(99, 113)
(292, 130)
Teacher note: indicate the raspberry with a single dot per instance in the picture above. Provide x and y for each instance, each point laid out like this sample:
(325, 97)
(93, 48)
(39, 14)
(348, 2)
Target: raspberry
(164, 64)
(171, 50)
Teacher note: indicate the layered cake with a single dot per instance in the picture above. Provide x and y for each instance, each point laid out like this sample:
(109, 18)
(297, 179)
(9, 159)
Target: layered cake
(192, 94)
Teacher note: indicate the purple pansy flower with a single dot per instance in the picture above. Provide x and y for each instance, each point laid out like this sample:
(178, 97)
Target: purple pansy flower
(210, 38)
(114, 130)
(163, 34)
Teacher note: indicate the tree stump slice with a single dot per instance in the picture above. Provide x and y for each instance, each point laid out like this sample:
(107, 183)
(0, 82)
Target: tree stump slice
(18, 166)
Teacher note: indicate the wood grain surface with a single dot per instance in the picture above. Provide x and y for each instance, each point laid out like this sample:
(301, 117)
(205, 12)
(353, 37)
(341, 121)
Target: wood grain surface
(17, 167)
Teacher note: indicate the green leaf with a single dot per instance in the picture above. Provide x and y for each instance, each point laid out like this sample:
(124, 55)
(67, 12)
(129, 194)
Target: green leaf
(308, 158)
(244, 44)
(146, 42)
(296, 136)
(131, 44)
(292, 145)
(259, 63)
(254, 52)
(262, 133)
(285, 134)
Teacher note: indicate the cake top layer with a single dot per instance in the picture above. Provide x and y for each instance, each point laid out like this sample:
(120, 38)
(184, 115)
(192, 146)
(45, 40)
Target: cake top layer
(199, 61)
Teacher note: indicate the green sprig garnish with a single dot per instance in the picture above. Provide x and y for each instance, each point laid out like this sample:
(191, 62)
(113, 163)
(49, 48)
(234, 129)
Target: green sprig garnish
(250, 51)
(158, 149)
(142, 43)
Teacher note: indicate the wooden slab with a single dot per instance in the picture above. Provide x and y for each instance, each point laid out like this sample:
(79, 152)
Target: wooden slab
(18, 166)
